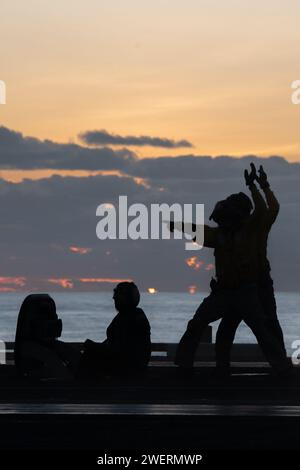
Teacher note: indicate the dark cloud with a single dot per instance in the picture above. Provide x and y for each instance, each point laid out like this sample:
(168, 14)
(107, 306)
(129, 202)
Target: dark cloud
(40, 220)
(21, 152)
(27, 153)
(102, 137)
(206, 167)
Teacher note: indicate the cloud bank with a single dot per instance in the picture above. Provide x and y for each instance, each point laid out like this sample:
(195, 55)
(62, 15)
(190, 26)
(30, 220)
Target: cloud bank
(102, 137)
(40, 220)
(29, 153)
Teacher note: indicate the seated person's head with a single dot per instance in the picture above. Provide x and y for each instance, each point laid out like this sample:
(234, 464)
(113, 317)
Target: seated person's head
(37, 324)
(126, 296)
(231, 212)
(38, 320)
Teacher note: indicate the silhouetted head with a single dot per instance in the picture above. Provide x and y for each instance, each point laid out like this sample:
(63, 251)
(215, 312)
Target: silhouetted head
(218, 212)
(223, 214)
(241, 203)
(230, 212)
(37, 321)
(126, 296)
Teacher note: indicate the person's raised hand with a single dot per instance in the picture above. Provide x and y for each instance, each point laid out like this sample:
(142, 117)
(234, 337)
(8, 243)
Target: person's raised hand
(262, 178)
(250, 177)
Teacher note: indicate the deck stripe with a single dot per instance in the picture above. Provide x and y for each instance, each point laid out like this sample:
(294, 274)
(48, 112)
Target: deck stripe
(148, 410)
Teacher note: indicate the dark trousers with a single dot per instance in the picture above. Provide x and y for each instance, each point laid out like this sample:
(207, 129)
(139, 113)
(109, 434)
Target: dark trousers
(99, 360)
(229, 324)
(229, 303)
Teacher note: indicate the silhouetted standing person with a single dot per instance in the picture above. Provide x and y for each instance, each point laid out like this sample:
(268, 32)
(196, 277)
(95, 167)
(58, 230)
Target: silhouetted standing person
(229, 324)
(236, 288)
(127, 348)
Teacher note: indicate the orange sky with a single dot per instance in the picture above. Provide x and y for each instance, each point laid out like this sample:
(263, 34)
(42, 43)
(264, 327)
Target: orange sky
(216, 73)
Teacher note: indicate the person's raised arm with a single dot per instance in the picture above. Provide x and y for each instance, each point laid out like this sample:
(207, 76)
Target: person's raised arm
(260, 207)
(210, 233)
(273, 204)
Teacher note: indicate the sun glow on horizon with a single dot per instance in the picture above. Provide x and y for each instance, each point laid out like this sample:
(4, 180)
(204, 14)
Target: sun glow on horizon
(65, 283)
(152, 290)
(103, 280)
(80, 250)
(192, 289)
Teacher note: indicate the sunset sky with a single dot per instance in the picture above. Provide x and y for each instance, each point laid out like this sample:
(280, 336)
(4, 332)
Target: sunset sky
(105, 88)
(217, 73)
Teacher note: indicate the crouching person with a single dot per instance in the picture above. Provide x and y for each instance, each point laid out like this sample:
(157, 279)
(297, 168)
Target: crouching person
(38, 353)
(127, 348)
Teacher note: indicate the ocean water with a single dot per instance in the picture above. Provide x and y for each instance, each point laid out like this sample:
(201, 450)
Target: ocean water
(87, 315)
